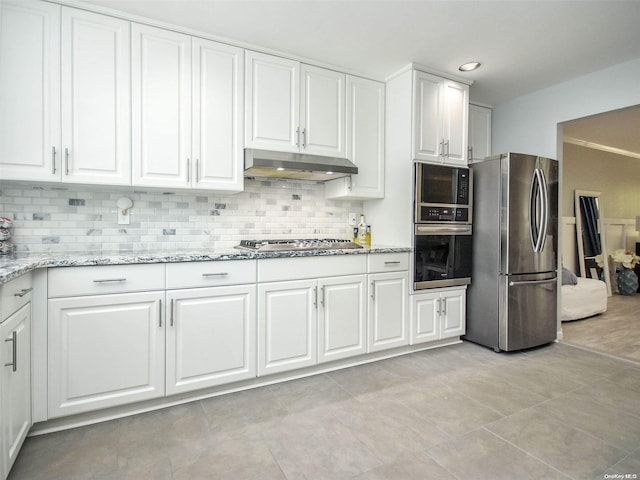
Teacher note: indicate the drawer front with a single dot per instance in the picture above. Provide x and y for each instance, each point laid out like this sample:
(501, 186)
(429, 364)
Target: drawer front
(210, 274)
(14, 295)
(298, 268)
(97, 280)
(388, 262)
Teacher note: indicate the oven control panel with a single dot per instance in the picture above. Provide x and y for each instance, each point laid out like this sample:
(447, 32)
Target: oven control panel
(443, 214)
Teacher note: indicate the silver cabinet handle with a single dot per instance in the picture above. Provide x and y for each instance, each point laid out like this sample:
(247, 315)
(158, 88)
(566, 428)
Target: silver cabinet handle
(221, 274)
(304, 138)
(53, 160)
(22, 292)
(188, 170)
(171, 309)
(397, 262)
(315, 297)
(14, 356)
(373, 291)
(441, 148)
(160, 313)
(322, 296)
(110, 280)
(470, 153)
(439, 308)
(197, 170)
(444, 306)
(66, 161)
(298, 137)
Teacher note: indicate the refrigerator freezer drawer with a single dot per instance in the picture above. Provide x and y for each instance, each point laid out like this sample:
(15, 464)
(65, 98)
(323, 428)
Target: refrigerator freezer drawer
(528, 316)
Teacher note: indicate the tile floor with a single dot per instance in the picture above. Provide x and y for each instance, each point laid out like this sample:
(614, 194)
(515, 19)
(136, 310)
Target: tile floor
(460, 412)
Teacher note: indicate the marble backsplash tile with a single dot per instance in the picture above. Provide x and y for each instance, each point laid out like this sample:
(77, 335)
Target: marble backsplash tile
(63, 218)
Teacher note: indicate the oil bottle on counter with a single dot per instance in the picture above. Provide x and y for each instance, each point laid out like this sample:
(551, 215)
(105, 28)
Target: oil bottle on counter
(362, 233)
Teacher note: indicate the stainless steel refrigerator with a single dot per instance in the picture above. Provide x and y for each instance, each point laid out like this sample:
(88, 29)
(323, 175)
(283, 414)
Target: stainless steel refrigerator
(511, 303)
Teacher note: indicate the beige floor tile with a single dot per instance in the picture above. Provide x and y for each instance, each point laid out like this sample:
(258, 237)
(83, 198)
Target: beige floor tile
(573, 452)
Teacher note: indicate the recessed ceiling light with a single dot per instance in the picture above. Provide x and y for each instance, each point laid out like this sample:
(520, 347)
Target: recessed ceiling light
(468, 67)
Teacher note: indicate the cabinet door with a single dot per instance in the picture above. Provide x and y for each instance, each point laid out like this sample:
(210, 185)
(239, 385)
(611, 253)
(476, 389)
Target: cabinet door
(29, 90)
(272, 102)
(479, 132)
(105, 350)
(365, 141)
(428, 136)
(455, 122)
(322, 120)
(425, 317)
(287, 326)
(210, 337)
(15, 381)
(161, 107)
(96, 98)
(388, 319)
(453, 314)
(218, 79)
(342, 317)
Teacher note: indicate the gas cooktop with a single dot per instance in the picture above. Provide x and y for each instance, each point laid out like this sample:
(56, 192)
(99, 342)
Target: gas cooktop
(296, 245)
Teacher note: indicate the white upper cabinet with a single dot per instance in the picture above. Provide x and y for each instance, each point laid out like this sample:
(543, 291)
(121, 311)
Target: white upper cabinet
(75, 131)
(292, 107)
(479, 132)
(218, 78)
(161, 107)
(96, 100)
(272, 97)
(187, 111)
(322, 118)
(440, 120)
(29, 90)
(365, 141)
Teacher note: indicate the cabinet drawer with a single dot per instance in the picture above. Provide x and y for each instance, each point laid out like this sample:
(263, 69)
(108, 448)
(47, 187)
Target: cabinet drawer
(296, 268)
(96, 280)
(210, 274)
(388, 262)
(14, 294)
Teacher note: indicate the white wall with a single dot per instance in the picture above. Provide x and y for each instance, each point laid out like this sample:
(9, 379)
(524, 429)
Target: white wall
(528, 124)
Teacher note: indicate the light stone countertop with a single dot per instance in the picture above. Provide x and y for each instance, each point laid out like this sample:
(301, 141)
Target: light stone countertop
(14, 266)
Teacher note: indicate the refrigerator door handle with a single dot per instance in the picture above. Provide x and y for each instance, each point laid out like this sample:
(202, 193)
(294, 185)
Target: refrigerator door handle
(537, 210)
(544, 189)
(532, 282)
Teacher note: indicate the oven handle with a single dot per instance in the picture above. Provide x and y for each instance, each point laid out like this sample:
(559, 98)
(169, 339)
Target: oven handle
(444, 229)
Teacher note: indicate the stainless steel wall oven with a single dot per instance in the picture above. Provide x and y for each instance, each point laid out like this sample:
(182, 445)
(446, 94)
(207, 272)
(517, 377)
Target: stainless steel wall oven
(442, 226)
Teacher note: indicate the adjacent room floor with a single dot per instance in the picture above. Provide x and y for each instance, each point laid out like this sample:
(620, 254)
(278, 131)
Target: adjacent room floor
(461, 412)
(616, 332)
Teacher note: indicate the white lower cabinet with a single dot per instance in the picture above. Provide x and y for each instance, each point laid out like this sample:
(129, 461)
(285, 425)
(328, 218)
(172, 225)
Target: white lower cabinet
(438, 314)
(210, 337)
(388, 318)
(15, 385)
(104, 351)
(342, 317)
(287, 326)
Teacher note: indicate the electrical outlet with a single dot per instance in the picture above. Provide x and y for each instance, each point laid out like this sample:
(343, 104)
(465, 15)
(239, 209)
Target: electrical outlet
(352, 219)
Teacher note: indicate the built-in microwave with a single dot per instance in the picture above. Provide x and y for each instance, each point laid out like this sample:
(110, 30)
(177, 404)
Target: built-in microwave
(442, 194)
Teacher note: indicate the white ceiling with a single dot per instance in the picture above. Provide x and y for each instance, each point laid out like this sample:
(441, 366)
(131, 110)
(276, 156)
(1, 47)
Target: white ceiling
(523, 45)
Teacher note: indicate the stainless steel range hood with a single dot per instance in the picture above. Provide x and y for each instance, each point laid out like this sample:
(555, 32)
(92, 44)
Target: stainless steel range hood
(266, 163)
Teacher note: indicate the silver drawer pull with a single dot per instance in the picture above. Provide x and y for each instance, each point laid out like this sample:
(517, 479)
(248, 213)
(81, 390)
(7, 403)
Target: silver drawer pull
(22, 292)
(392, 263)
(110, 280)
(221, 274)
(14, 356)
